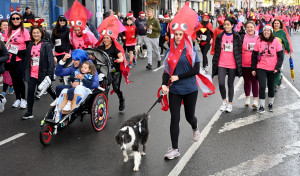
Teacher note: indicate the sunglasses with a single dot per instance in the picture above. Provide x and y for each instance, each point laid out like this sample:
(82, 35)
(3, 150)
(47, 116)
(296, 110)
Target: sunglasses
(15, 19)
(61, 20)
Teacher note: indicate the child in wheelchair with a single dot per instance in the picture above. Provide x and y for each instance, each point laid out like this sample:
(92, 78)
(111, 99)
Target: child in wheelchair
(82, 76)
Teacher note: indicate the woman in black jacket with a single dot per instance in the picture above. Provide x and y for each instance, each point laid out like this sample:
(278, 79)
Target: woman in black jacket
(39, 63)
(60, 38)
(227, 61)
(3, 56)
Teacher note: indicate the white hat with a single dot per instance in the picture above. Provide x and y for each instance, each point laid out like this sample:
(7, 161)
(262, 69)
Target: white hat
(160, 16)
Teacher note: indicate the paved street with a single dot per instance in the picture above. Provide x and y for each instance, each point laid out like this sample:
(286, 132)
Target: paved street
(237, 143)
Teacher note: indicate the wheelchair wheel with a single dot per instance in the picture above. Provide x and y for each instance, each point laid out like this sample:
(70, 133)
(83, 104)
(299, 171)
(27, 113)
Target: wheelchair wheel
(99, 112)
(46, 134)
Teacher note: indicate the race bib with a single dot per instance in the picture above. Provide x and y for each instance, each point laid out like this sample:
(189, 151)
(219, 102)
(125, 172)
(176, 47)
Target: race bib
(35, 61)
(57, 42)
(228, 47)
(13, 49)
(250, 46)
(203, 37)
(296, 21)
(149, 31)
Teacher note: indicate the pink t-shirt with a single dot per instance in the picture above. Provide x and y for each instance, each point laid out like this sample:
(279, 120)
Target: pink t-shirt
(295, 18)
(267, 17)
(268, 59)
(17, 42)
(247, 48)
(35, 60)
(227, 59)
(286, 20)
(79, 43)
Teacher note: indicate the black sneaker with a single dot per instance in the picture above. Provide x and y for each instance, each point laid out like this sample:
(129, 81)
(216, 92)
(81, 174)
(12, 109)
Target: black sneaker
(270, 107)
(122, 105)
(261, 109)
(27, 116)
(158, 64)
(149, 66)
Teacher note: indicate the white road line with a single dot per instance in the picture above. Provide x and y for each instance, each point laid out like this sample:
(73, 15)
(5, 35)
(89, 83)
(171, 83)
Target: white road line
(258, 117)
(291, 85)
(262, 162)
(188, 155)
(11, 138)
(155, 70)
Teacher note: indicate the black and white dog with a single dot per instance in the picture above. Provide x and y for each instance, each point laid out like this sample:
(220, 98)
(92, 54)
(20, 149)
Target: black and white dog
(132, 133)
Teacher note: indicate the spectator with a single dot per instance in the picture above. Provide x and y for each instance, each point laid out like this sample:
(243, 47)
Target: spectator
(91, 28)
(28, 14)
(153, 33)
(163, 32)
(141, 30)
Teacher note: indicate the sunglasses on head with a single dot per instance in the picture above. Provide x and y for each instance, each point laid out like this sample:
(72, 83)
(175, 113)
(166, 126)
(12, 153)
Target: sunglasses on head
(15, 18)
(62, 20)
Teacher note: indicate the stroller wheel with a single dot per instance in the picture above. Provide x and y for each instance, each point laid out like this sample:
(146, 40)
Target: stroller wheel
(46, 134)
(99, 112)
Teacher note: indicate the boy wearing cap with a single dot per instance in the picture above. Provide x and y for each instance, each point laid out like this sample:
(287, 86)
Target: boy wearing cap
(153, 33)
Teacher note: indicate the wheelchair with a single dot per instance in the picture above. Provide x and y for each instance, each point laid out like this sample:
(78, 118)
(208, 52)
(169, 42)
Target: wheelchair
(95, 103)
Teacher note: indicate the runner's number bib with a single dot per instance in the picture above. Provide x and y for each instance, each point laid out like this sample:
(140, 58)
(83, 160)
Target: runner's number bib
(13, 49)
(57, 42)
(203, 37)
(228, 47)
(149, 31)
(35, 61)
(250, 46)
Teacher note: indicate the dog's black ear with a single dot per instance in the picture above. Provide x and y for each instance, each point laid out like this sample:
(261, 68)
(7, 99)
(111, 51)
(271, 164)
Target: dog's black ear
(117, 138)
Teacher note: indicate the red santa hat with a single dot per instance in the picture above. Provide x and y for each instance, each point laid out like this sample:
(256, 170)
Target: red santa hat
(129, 15)
(141, 13)
(205, 15)
(166, 17)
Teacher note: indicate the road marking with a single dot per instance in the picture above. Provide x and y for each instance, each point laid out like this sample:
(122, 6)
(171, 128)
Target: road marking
(291, 85)
(242, 96)
(262, 162)
(11, 138)
(240, 122)
(155, 70)
(190, 152)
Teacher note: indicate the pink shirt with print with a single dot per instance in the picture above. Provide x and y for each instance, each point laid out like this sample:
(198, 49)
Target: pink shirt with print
(227, 59)
(247, 48)
(268, 59)
(79, 43)
(18, 40)
(35, 60)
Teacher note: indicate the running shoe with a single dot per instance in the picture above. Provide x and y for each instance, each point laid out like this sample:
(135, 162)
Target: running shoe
(261, 109)
(172, 153)
(23, 104)
(16, 103)
(223, 106)
(270, 107)
(27, 116)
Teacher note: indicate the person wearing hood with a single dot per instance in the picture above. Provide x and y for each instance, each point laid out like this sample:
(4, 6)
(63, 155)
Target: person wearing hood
(60, 38)
(250, 82)
(38, 64)
(204, 38)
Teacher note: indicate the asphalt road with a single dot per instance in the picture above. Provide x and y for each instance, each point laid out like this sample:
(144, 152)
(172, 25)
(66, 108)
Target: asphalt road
(237, 143)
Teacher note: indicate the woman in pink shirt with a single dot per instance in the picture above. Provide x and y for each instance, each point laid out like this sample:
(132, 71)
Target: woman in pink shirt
(15, 38)
(266, 61)
(227, 60)
(249, 39)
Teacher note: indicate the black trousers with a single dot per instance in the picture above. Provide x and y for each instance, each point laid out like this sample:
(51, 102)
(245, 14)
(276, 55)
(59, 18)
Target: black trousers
(116, 83)
(175, 101)
(204, 51)
(161, 44)
(16, 71)
(32, 85)
(266, 78)
(222, 72)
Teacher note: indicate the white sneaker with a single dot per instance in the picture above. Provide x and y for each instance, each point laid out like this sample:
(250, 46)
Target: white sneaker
(247, 102)
(16, 104)
(67, 107)
(255, 104)
(23, 104)
(229, 108)
(54, 102)
(196, 135)
(172, 153)
(223, 106)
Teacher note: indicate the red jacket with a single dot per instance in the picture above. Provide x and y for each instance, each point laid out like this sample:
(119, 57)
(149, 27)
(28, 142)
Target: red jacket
(130, 31)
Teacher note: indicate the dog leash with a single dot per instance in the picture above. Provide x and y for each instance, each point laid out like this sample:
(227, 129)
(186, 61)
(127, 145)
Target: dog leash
(157, 101)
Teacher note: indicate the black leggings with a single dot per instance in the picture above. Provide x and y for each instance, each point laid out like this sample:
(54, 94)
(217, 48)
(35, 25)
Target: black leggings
(222, 72)
(175, 101)
(33, 83)
(161, 44)
(16, 73)
(204, 51)
(116, 83)
(266, 78)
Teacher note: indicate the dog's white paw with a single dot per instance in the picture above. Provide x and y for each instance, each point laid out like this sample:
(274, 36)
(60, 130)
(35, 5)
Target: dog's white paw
(135, 169)
(143, 153)
(125, 160)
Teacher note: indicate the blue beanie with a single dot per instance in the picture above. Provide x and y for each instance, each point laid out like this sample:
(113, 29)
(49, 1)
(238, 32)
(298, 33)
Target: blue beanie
(80, 55)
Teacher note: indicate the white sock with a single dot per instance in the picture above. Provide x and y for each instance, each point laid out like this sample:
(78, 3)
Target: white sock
(271, 100)
(262, 102)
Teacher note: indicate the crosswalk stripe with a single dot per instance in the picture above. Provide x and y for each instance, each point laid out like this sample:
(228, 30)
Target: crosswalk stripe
(262, 162)
(258, 117)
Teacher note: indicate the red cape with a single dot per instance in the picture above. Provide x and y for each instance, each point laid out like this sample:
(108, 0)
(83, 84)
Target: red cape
(216, 33)
(200, 25)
